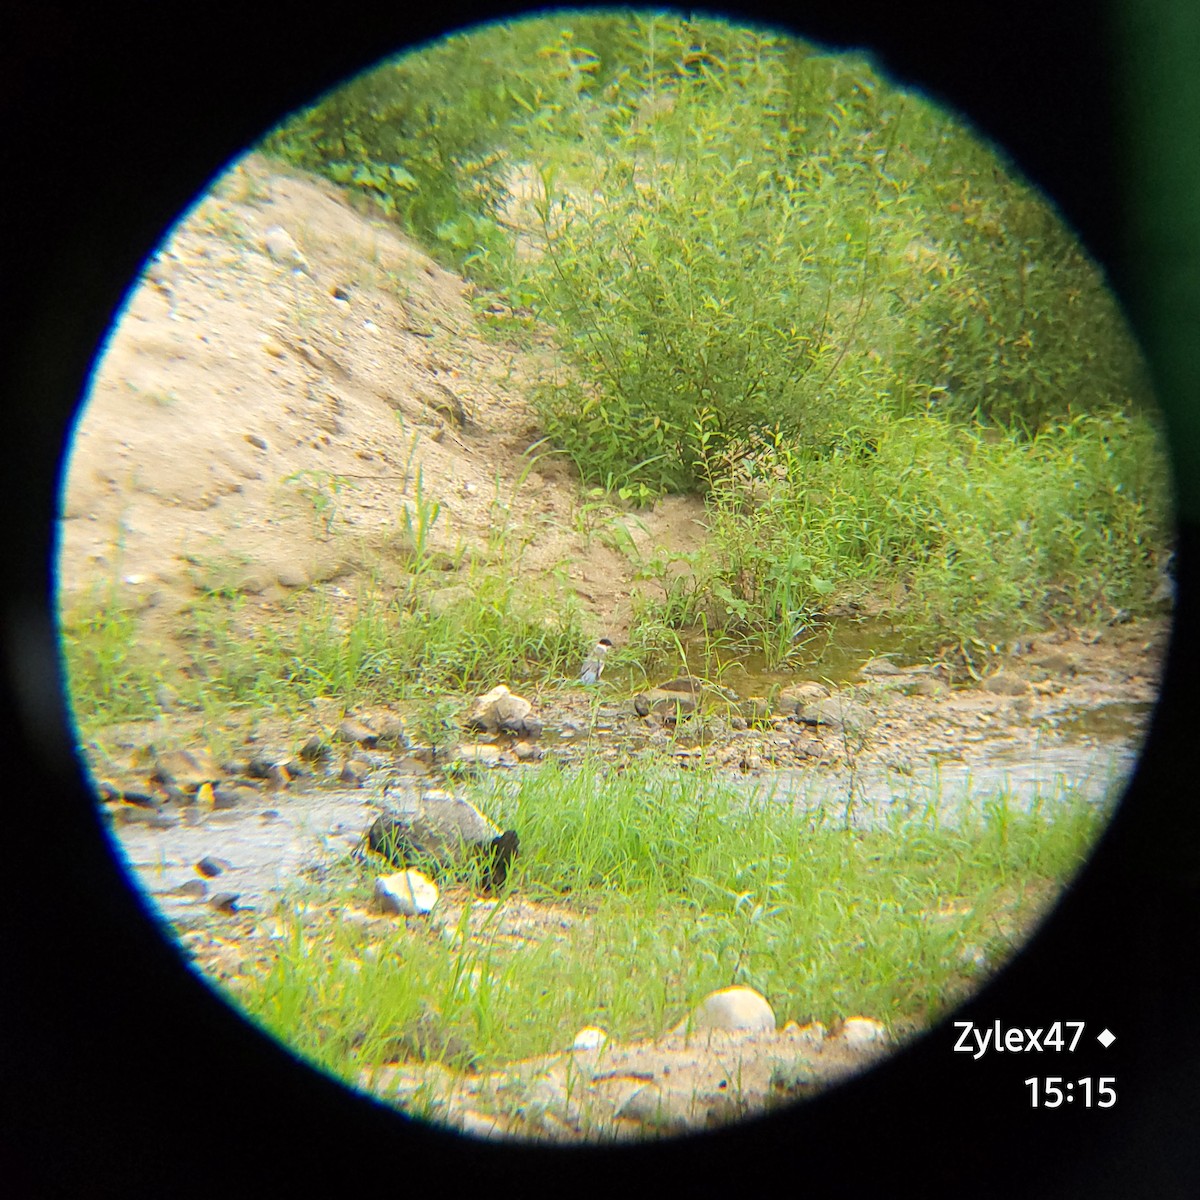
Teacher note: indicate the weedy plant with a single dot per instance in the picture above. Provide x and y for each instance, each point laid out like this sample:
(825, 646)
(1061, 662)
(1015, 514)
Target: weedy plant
(111, 673)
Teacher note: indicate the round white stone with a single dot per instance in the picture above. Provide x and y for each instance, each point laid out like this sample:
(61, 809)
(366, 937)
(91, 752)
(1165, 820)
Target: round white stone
(734, 1008)
(590, 1037)
(408, 893)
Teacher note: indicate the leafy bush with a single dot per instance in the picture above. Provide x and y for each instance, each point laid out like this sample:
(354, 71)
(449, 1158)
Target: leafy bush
(974, 523)
(712, 278)
(1008, 319)
(783, 283)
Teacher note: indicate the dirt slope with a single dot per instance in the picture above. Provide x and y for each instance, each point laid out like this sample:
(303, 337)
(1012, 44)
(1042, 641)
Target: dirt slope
(270, 401)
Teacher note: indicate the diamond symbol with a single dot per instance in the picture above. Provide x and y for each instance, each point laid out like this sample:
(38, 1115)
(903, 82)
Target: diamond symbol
(1106, 1039)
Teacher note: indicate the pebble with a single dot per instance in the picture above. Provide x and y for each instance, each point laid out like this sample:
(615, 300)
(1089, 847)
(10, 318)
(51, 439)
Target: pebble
(669, 705)
(131, 814)
(186, 768)
(210, 867)
(141, 799)
(879, 666)
(480, 755)
(258, 766)
(648, 1106)
(797, 695)
(352, 772)
(813, 1034)
(277, 777)
(1005, 683)
(195, 888)
(480, 1126)
(861, 1032)
(838, 713)
(292, 576)
(281, 246)
(314, 750)
(232, 796)
(351, 730)
(407, 893)
(392, 729)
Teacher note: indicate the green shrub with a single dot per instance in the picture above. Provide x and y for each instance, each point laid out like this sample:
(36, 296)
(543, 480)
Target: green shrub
(986, 530)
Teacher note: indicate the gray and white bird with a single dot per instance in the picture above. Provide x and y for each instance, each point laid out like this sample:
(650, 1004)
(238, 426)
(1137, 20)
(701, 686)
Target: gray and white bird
(593, 665)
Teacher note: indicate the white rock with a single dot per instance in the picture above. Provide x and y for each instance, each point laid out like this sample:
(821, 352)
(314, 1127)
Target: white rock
(814, 1033)
(860, 1032)
(481, 754)
(590, 1037)
(283, 249)
(734, 1008)
(481, 1126)
(408, 893)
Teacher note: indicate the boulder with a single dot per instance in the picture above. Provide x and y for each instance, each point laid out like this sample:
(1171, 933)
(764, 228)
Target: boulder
(732, 1009)
(440, 828)
(500, 711)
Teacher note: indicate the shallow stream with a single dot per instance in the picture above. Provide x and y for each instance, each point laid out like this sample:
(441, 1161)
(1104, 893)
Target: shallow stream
(267, 848)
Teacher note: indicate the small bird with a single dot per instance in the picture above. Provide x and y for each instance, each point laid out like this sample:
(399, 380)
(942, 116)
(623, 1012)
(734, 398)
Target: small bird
(593, 665)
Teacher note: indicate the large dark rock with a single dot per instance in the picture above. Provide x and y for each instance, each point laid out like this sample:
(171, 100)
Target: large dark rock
(446, 830)
(500, 711)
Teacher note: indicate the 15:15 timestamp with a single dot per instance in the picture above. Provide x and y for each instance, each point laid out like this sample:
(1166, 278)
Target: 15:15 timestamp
(1054, 1090)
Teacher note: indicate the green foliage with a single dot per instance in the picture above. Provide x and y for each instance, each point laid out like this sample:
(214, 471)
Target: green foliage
(409, 136)
(974, 523)
(496, 630)
(111, 675)
(1007, 317)
(775, 280)
(425, 135)
(711, 277)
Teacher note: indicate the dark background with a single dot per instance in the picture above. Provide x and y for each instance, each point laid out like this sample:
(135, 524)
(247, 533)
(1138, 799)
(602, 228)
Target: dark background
(121, 1074)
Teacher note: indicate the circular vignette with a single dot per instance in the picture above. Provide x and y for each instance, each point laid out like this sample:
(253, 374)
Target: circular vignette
(145, 1030)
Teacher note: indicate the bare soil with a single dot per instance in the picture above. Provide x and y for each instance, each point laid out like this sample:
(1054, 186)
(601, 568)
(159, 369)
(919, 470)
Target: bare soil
(258, 427)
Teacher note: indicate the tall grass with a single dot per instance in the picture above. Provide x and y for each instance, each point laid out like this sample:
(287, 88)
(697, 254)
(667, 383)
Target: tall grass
(666, 885)
(111, 673)
(392, 645)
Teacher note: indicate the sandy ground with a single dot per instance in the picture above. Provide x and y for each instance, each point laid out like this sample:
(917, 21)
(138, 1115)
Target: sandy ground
(259, 421)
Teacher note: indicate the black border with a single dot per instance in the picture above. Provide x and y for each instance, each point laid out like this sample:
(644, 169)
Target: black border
(120, 1074)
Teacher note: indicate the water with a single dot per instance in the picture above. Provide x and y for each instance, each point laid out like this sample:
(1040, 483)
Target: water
(265, 852)
(833, 651)
(270, 843)
(873, 796)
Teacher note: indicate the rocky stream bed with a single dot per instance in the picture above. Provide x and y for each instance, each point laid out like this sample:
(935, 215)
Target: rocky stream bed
(215, 845)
